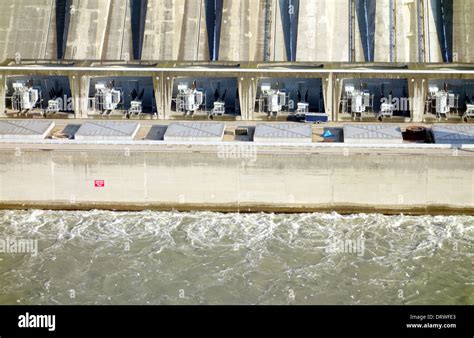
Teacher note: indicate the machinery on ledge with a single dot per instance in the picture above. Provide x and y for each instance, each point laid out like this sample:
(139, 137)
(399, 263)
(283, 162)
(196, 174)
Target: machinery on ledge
(219, 104)
(55, 102)
(25, 97)
(106, 98)
(441, 102)
(469, 114)
(136, 104)
(189, 100)
(302, 107)
(271, 101)
(356, 102)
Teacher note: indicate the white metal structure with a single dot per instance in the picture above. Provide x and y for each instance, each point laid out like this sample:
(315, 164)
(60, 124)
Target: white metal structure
(54, 106)
(441, 101)
(136, 107)
(219, 108)
(271, 101)
(386, 110)
(189, 100)
(469, 114)
(24, 98)
(106, 99)
(356, 102)
(302, 108)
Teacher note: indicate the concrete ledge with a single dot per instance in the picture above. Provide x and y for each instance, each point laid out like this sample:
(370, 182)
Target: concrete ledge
(436, 182)
(195, 131)
(453, 134)
(107, 130)
(63, 143)
(283, 133)
(372, 133)
(240, 208)
(25, 129)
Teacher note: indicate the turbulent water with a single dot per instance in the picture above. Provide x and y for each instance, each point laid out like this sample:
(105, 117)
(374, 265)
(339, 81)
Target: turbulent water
(104, 257)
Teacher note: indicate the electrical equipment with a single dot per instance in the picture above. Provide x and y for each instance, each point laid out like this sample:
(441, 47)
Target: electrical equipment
(386, 110)
(357, 101)
(302, 108)
(189, 100)
(441, 102)
(135, 108)
(54, 106)
(106, 97)
(25, 97)
(271, 101)
(469, 114)
(219, 108)
(55, 102)
(219, 103)
(136, 105)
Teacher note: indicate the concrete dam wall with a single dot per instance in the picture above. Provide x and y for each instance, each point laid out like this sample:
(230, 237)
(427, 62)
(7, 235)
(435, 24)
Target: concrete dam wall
(248, 30)
(152, 177)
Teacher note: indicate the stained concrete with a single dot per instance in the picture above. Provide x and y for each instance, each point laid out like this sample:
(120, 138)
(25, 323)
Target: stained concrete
(175, 30)
(87, 28)
(209, 180)
(323, 31)
(24, 29)
(250, 31)
(463, 30)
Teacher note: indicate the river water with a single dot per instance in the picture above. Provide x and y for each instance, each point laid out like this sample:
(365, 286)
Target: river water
(105, 257)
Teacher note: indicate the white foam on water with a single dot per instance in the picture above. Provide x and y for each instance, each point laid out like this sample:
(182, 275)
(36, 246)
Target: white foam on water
(153, 257)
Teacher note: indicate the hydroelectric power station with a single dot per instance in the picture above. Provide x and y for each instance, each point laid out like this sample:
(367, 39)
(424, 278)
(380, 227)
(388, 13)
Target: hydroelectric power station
(345, 105)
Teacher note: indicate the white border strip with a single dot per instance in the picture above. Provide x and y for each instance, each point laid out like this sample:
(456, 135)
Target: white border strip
(236, 143)
(236, 70)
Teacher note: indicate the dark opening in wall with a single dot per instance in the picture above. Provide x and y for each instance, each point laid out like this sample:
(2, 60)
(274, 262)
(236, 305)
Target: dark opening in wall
(289, 17)
(63, 12)
(213, 22)
(366, 18)
(138, 17)
(443, 13)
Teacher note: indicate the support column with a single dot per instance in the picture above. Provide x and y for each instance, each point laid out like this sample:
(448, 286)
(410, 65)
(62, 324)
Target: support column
(163, 89)
(166, 95)
(247, 94)
(85, 85)
(74, 84)
(338, 83)
(3, 83)
(417, 89)
(157, 89)
(328, 95)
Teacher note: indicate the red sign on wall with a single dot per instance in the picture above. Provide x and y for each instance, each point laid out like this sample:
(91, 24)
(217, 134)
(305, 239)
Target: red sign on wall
(99, 183)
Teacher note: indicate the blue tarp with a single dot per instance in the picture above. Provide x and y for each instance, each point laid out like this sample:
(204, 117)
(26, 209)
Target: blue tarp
(327, 133)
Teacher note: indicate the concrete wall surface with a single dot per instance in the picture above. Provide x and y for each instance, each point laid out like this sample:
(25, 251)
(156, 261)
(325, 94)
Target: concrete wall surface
(217, 180)
(24, 29)
(246, 30)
